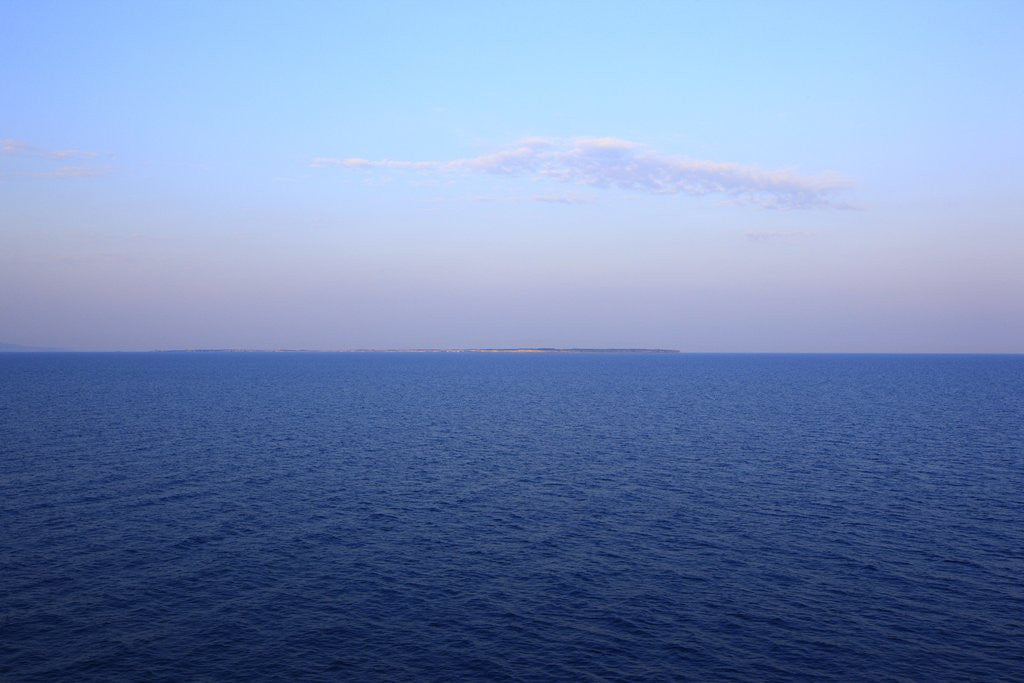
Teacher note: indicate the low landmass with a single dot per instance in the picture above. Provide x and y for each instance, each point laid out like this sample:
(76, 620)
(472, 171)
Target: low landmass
(18, 348)
(509, 350)
(541, 350)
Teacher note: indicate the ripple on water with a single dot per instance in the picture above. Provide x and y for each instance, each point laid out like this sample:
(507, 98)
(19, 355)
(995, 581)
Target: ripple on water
(410, 517)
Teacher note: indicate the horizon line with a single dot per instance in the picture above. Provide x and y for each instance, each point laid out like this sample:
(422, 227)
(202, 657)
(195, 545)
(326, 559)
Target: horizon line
(19, 350)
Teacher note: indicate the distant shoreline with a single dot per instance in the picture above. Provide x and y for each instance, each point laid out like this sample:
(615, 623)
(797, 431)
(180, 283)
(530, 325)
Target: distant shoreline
(510, 350)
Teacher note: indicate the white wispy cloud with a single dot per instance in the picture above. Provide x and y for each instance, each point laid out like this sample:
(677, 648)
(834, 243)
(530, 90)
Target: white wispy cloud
(609, 162)
(39, 157)
(63, 154)
(12, 147)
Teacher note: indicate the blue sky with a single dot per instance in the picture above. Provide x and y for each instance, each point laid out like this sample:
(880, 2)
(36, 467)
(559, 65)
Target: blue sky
(702, 176)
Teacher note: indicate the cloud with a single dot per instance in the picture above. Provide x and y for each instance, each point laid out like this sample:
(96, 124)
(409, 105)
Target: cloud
(62, 154)
(11, 147)
(38, 157)
(609, 162)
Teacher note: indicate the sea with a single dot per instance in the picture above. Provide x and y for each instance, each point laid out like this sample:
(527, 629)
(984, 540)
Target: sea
(499, 517)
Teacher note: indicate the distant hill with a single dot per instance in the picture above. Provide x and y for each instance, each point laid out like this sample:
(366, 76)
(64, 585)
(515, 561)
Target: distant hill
(16, 348)
(532, 349)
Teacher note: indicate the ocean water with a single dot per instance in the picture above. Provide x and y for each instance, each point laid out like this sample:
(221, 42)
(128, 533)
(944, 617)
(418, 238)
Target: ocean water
(511, 517)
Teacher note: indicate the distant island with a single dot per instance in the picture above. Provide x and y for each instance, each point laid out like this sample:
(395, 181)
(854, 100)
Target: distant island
(540, 349)
(18, 348)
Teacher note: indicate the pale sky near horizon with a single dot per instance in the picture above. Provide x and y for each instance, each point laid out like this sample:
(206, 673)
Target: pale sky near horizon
(744, 176)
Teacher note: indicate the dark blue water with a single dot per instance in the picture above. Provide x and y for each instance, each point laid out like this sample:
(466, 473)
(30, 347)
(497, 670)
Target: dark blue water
(428, 517)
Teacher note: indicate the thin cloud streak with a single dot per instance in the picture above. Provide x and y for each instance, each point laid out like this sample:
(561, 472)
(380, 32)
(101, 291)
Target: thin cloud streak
(64, 154)
(39, 157)
(609, 162)
(12, 147)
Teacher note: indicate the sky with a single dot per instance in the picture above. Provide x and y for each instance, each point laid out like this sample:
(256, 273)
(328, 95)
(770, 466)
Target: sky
(709, 177)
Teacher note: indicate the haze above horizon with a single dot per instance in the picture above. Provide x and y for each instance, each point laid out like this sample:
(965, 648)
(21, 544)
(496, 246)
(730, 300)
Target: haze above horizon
(724, 177)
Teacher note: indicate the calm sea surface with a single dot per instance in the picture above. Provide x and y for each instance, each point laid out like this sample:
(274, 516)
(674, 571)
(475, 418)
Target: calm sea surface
(496, 517)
